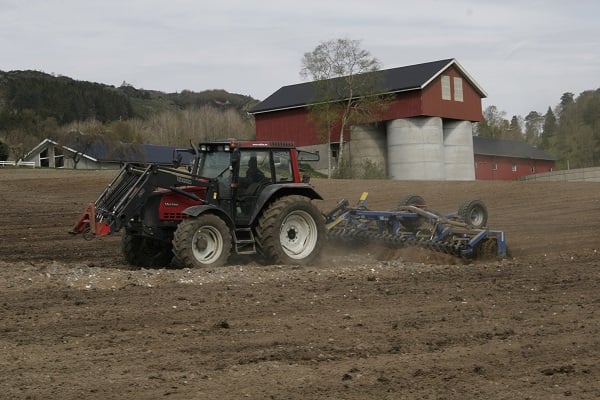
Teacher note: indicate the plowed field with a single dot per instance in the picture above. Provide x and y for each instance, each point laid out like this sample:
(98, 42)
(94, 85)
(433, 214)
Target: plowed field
(76, 323)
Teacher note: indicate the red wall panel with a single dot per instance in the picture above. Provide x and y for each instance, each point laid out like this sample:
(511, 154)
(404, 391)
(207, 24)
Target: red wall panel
(484, 167)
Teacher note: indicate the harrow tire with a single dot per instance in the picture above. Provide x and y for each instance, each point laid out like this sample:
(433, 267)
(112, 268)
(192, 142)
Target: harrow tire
(145, 252)
(291, 231)
(203, 241)
(486, 250)
(417, 201)
(474, 213)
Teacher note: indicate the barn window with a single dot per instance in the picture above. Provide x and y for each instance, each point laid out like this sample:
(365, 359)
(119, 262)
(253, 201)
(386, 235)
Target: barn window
(458, 89)
(533, 170)
(494, 167)
(514, 168)
(446, 88)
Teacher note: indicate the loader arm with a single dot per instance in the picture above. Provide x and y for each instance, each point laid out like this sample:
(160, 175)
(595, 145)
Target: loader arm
(124, 197)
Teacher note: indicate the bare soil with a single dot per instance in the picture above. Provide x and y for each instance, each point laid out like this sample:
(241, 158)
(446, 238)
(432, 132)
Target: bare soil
(362, 324)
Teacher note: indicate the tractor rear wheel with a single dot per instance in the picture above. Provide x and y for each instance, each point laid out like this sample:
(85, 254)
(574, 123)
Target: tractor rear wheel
(291, 231)
(145, 252)
(203, 241)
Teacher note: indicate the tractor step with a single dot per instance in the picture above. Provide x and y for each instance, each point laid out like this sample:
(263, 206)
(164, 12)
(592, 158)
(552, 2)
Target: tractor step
(244, 241)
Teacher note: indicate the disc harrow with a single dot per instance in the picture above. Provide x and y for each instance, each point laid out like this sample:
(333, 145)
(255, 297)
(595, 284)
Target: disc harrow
(411, 224)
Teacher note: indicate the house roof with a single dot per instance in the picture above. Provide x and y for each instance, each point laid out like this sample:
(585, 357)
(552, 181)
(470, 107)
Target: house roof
(401, 79)
(101, 151)
(508, 148)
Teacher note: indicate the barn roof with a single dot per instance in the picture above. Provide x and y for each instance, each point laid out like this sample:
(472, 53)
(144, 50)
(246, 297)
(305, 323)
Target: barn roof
(508, 148)
(401, 79)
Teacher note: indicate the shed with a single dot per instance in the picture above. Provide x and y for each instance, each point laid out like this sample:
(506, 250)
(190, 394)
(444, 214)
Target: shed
(503, 159)
(97, 154)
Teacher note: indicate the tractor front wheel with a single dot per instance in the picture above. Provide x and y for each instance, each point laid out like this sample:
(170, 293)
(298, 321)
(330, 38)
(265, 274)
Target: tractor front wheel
(145, 252)
(203, 241)
(291, 231)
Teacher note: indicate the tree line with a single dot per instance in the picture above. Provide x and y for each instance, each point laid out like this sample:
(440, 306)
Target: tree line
(570, 132)
(35, 105)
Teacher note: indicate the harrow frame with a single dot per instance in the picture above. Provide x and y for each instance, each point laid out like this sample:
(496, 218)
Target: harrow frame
(413, 225)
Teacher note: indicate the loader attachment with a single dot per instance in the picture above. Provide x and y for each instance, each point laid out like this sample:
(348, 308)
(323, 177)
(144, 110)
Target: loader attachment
(89, 226)
(103, 216)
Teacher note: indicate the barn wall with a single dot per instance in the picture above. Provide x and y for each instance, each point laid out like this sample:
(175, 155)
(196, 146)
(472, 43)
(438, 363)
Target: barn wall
(290, 124)
(484, 167)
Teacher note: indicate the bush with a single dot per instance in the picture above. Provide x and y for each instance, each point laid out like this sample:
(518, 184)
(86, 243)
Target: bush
(372, 170)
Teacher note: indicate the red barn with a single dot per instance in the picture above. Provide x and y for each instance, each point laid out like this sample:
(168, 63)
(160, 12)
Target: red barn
(501, 159)
(437, 89)
(426, 133)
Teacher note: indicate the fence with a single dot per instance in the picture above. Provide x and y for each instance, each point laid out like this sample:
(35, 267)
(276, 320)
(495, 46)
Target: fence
(569, 175)
(17, 164)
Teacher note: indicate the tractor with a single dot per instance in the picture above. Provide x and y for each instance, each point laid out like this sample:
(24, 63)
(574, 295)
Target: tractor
(216, 199)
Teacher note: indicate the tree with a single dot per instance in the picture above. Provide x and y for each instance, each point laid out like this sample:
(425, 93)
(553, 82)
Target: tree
(493, 124)
(347, 91)
(514, 129)
(4, 151)
(533, 127)
(549, 129)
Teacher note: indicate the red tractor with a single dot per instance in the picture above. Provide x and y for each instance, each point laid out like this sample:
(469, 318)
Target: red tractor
(245, 197)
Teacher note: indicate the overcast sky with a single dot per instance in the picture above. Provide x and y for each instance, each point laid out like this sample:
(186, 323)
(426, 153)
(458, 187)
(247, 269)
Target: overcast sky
(525, 54)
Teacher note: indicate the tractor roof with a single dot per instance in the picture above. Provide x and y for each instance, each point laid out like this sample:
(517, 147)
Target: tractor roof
(251, 144)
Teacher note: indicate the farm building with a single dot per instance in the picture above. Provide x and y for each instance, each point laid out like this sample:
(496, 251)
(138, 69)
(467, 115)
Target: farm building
(96, 154)
(426, 132)
(501, 159)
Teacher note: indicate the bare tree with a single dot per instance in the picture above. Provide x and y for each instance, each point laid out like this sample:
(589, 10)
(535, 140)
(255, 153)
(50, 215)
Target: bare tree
(347, 89)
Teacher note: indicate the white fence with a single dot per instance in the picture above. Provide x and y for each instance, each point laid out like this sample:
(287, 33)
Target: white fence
(17, 164)
(570, 175)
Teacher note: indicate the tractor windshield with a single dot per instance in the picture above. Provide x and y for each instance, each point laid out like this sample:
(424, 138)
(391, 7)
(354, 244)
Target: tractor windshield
(214, 164)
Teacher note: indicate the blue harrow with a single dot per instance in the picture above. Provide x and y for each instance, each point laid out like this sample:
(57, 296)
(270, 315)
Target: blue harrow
(463, 234)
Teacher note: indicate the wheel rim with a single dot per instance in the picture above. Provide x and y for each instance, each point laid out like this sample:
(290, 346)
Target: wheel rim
(298, 235)
(476, 217)
(207, 244)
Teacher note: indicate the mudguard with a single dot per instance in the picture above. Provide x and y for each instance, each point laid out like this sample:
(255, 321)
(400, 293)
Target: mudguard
(279, 190)
(195, 211)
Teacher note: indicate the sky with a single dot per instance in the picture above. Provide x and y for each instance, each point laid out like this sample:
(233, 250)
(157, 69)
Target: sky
(524, 54)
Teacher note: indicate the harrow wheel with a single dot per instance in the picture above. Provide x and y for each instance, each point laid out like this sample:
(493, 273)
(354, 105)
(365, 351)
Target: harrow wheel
(474, 213)
(487, 249)
(416, 201)
(203, 241)
(291, 231)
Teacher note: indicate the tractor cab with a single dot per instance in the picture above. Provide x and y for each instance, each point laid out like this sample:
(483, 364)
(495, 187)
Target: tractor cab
(241, 171)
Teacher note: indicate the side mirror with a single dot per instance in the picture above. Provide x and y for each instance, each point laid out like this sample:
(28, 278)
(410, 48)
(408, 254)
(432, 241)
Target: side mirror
(308, 156)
